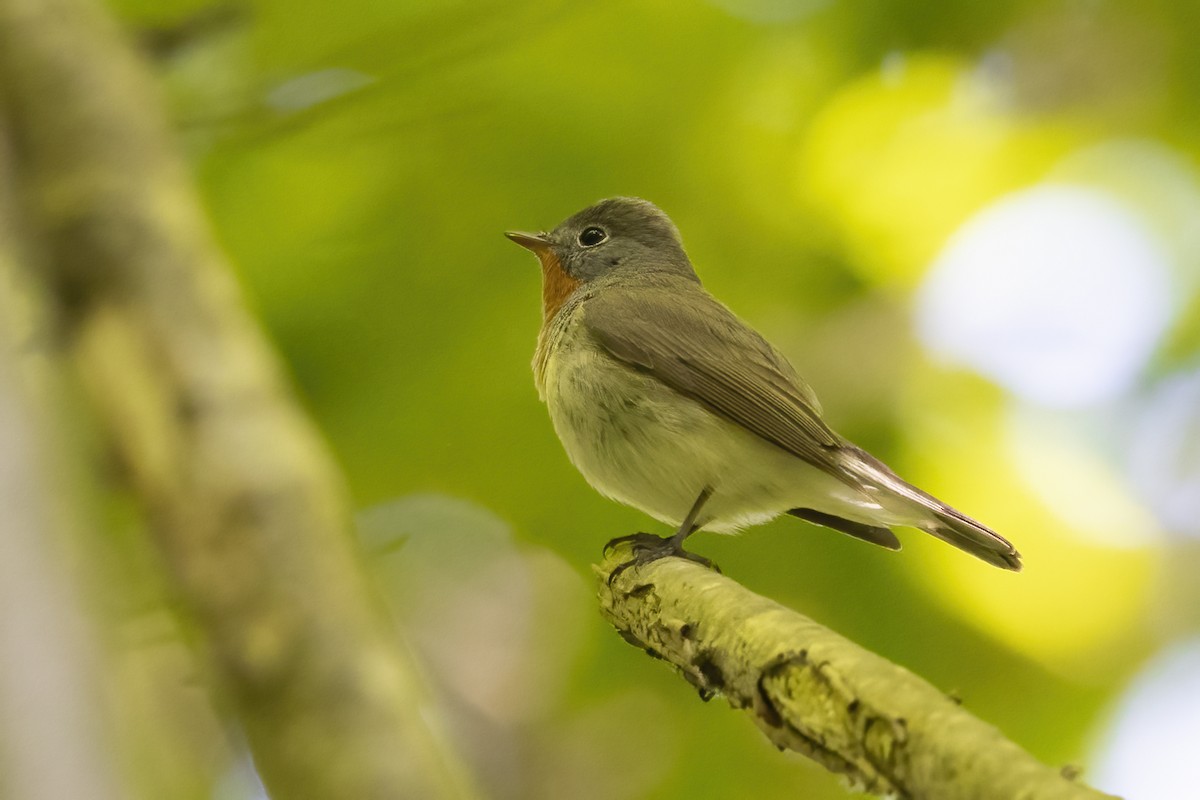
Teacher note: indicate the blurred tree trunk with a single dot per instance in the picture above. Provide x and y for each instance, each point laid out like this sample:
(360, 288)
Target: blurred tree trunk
(54, 735)
(245, 502)
(814, 692)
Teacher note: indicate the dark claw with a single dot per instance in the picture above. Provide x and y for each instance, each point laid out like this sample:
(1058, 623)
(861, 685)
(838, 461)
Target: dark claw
(633, 537)
(648, 548)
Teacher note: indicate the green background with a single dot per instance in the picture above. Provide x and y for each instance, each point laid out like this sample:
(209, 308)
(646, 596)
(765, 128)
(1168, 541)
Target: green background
(360, 161)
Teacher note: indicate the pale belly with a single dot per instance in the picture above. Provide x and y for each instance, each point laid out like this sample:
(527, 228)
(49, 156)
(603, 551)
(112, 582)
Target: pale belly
(641, 443)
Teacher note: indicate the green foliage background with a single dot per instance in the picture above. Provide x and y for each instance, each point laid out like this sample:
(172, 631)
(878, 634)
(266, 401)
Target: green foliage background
(360, 160)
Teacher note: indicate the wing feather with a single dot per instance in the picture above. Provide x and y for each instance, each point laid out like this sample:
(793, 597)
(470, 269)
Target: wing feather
(708, 354)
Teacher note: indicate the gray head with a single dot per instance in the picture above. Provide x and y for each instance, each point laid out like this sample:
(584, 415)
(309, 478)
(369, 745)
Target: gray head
(621, 234)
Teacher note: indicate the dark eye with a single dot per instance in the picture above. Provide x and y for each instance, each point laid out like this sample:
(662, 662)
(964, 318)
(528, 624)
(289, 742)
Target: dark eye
(590, 237)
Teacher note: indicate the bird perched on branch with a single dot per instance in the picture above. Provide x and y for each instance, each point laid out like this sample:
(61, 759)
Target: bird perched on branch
(667, 402)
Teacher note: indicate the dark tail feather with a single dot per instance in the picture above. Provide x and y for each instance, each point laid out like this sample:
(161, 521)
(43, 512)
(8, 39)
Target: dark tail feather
(868, 533)
(966, 534)
(938, 519)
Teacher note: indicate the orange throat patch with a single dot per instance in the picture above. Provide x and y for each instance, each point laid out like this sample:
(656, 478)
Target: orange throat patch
(557, 285)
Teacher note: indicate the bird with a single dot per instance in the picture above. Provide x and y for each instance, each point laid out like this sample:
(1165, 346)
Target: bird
(668, 402)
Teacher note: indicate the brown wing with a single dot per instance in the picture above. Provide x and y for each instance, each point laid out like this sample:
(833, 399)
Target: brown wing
(689, 341)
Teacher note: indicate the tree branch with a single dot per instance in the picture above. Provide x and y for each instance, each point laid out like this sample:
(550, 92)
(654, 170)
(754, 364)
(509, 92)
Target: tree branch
(246, 502)
(812, 691)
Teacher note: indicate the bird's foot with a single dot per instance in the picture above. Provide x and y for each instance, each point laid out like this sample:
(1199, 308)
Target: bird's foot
(648, 548)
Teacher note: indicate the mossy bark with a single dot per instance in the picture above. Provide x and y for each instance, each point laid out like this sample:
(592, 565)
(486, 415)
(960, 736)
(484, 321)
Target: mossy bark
(812, 691)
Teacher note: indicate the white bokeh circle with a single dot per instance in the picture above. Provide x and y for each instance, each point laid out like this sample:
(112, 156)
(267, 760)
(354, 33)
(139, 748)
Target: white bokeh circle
(1059, 293)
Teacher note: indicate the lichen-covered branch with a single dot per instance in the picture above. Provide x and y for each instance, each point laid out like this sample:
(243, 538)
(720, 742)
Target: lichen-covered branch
(246, 503)
(812, 691)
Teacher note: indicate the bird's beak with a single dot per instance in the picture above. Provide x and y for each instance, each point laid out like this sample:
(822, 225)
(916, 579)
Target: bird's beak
(537, 242)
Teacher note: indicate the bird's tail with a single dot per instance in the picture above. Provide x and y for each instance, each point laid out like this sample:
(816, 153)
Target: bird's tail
(933, 516)
(958, 529)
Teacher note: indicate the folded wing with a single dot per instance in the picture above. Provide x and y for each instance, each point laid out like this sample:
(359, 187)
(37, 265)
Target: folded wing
(711, 356)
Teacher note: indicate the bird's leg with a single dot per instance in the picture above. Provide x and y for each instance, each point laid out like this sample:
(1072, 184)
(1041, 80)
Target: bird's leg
(647, 547)
(689, 524)
(674, 544)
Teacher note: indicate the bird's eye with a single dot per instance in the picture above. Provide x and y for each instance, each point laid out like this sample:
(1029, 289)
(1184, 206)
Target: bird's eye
(590, 237)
